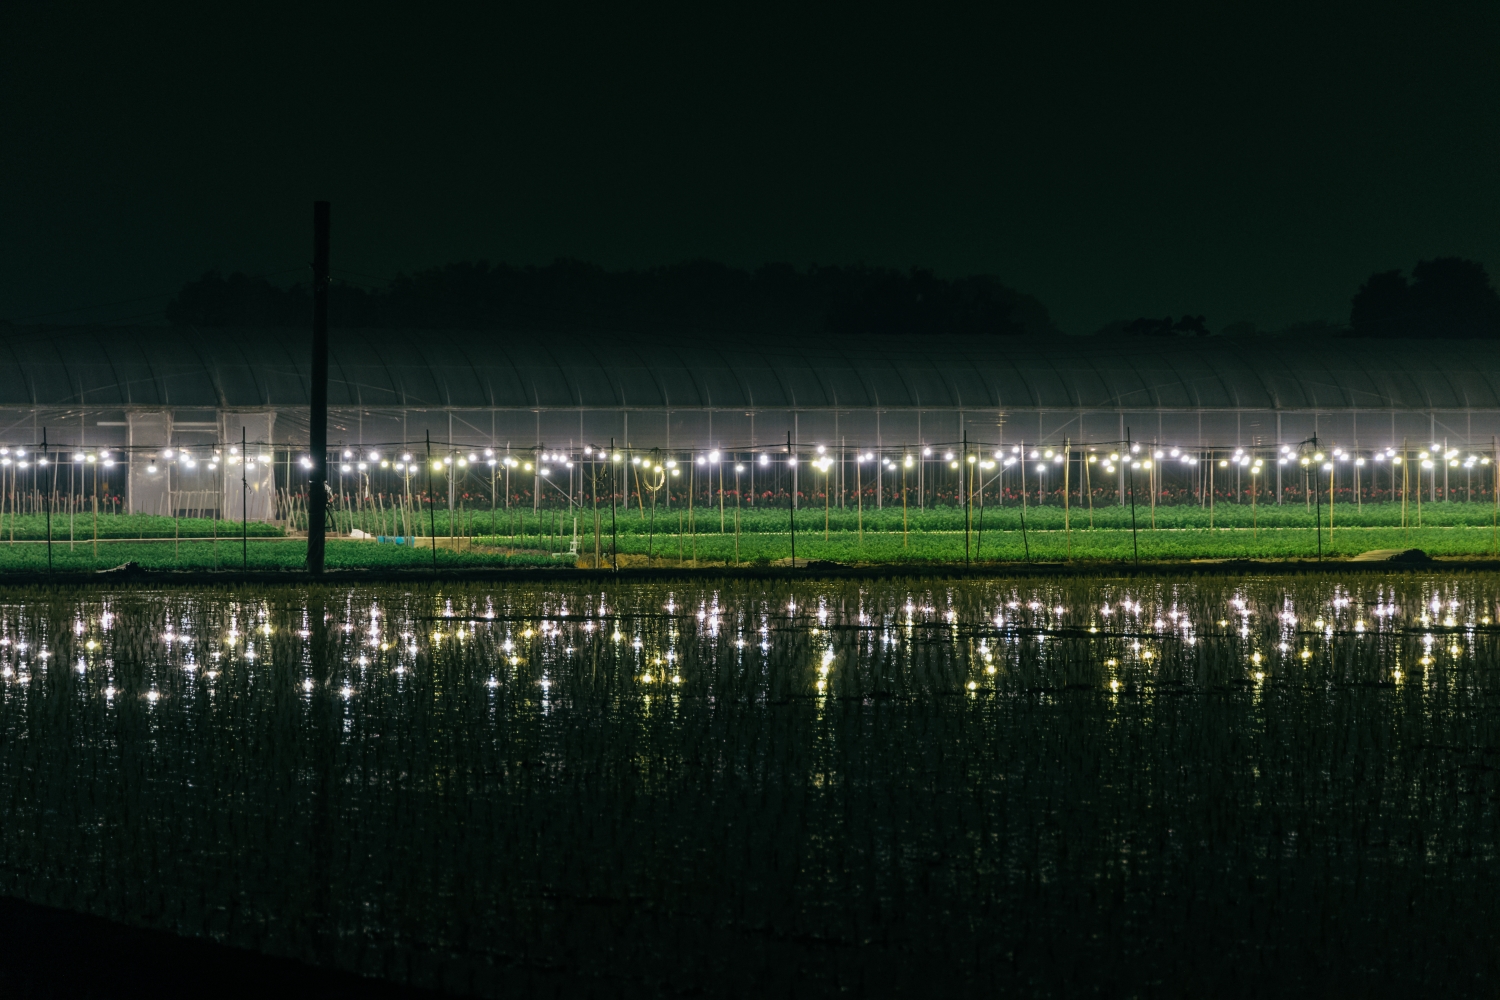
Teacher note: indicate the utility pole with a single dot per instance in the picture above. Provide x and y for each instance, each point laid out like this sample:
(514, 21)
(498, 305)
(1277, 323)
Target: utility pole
(317, 489)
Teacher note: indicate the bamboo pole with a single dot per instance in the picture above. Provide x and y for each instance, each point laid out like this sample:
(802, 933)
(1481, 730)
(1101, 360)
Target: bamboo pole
(1067, 493)
(966, 479)
(1405, 529)
(1419, 495)
(1088, 487)
(859, 491)
(905, 461)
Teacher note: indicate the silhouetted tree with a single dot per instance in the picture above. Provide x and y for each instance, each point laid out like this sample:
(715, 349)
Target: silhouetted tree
(1194, 326)
(238, 300)
(697, 297)
(1146, 326)
(1446, 297)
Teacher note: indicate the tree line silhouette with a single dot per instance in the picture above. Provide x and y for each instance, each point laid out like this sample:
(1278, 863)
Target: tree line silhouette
(569, 296)
(1447, 297)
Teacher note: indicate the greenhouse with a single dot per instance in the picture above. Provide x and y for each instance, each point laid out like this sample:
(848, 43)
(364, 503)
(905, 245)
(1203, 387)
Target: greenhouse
(156, 420)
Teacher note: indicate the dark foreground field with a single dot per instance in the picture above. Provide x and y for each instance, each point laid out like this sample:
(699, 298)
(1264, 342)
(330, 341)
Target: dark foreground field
(1231, 786)
(53, 954)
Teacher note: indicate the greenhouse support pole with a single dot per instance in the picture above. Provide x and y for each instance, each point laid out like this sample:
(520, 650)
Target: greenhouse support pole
(905, 463)
(1318, 518)
(317, 494)
(1088, 486)
(1025, 541)
(966, 480)
(1152, 484)
(1419, 494)
(244, 501)
(614, 531)
(979, 531)
(1134, 544)
(1125, 434)
(431, 507)
(1278, 460)
(791, 510)
(1067, 470)
(49, 503)
(1405, 485)
(1254, 496)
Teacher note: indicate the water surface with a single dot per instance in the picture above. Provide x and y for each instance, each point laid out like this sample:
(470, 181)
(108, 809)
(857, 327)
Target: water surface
(1131, 787)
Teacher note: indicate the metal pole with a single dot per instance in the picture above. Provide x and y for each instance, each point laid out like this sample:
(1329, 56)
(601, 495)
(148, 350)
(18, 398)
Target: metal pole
(317, 490)
(1025, 541)
(49, 501)
(1318, 523)
(244, 500)
(1067, 493)
(614, 528)
(431, 506)
(791, 510)
(1134, 544)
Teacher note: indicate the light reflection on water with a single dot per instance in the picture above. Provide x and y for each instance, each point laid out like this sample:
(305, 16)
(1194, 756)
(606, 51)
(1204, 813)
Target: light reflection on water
(876, 786)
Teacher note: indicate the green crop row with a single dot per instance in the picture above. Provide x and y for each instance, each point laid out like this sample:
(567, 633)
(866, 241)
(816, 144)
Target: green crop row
(83, 525)
(544, 529)
(290, 553)
(1049, 546)
(931, 536)
(705, 520)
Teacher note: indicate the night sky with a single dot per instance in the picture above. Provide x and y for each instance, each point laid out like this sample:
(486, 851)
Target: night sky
(1115, 162)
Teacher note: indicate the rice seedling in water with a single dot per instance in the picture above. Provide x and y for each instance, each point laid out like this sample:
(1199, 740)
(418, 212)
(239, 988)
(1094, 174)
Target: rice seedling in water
(745, 788)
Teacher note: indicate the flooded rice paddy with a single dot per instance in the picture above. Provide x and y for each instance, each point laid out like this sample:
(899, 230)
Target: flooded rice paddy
(1127, 787)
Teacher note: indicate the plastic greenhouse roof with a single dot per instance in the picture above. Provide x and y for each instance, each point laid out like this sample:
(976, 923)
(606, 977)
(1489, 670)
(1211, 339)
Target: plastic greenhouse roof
(248, 368)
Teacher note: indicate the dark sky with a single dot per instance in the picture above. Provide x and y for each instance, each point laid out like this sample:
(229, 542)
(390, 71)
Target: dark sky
(1247, 163)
